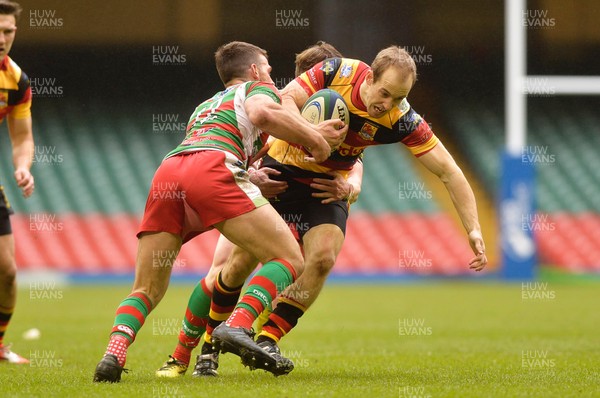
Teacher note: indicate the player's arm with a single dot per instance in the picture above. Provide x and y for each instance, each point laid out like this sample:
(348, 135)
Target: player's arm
(293, 97)
(339, 188)
(21, 138)
(269, 116)
(439, 161)
(261, 176)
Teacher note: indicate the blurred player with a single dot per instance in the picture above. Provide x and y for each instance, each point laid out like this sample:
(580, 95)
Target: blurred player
(203, 183)
(196, 318)
(15, 106)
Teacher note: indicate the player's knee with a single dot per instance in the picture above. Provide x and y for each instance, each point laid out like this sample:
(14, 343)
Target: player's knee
(8, 273)
(321, 264)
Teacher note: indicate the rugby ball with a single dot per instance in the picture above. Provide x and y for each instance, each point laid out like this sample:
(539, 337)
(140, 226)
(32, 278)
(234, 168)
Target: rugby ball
(323, 105)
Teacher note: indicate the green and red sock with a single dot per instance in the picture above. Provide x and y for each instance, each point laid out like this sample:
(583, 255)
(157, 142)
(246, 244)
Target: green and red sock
(131, 315)
(194, 322)
(267, 283)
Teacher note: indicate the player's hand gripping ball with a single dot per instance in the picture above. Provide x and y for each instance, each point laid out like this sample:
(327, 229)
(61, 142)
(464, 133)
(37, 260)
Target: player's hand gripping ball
(324, 105)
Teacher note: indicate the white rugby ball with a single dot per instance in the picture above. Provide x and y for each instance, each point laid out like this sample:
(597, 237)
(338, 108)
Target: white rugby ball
(325, 104)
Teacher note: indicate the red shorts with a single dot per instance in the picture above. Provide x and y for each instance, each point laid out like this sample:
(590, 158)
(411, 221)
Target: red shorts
(192, 192)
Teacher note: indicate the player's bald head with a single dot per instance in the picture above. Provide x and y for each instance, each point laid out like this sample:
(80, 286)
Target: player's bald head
(394, 56)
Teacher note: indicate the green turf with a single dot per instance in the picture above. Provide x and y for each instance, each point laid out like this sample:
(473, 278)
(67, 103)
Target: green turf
(425, 340)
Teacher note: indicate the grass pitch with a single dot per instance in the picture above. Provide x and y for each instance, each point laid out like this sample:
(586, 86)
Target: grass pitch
(422, 340)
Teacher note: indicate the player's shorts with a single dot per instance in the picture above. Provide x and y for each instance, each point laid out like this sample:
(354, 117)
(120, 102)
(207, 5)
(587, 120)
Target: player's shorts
(191, 192)
(296, 205)
(5, 211)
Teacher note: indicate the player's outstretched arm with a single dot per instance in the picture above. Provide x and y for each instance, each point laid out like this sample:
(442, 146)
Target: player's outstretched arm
(21, 138)
(440, 162)
(269, 116)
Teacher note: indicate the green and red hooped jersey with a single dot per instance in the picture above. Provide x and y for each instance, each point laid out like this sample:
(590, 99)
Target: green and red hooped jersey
(221, 123)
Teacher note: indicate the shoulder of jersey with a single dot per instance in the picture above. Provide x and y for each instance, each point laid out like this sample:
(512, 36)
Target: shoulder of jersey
(347, 70)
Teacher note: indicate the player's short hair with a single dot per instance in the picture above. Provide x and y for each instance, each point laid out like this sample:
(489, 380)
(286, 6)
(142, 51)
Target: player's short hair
(315, 54)
(10, 8)
(235, 58)
(393, 56)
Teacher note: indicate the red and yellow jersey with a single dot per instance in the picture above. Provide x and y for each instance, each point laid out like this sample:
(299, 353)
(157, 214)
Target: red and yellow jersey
(15, 92)
(401, 124)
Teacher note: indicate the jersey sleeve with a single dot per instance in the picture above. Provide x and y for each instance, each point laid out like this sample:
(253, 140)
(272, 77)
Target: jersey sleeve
(420, 138)
(20, 99)
(319, 76)
(264, 88)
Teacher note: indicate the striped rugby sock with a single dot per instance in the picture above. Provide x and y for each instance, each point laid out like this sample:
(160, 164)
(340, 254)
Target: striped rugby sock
(223, 302)
(283, 319)
(5, 316)
(194, 322)
(131, 315)
(267, 283)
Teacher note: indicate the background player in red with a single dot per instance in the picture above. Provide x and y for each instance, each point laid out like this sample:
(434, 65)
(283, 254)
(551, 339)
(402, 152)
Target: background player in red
(15, 106)
(196, 317)
(203, 184)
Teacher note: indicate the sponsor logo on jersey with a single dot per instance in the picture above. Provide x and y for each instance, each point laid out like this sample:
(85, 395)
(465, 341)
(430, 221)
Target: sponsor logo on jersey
(327, 67)
(312, 77)
(414, 121)
(346, 70)
(404, 106)
(367, 131)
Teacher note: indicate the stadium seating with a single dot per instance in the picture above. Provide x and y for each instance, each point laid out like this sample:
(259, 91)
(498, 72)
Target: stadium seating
(93, 172)
(568, 181)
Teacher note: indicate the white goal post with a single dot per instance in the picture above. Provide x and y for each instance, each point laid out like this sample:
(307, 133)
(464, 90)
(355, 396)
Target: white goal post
(518, 84)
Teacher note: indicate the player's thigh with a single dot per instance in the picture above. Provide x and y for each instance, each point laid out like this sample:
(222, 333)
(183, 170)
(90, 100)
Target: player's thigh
(264, 234)
(322, 244)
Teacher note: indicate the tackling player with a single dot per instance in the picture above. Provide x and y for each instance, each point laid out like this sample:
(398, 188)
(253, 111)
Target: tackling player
(203, 183)
(15, 106)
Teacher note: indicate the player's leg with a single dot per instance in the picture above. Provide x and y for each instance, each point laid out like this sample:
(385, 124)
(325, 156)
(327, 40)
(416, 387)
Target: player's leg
(150, 285)
(8, 289)
(322, 245)
(224, 299)
(264, 234)
(195, 320)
